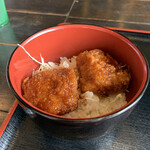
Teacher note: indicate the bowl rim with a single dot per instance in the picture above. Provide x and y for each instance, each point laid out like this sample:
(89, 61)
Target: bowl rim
(78, 120)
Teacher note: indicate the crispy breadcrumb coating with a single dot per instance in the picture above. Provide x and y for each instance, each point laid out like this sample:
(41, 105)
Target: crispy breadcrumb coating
(54, 90)
(100, 73)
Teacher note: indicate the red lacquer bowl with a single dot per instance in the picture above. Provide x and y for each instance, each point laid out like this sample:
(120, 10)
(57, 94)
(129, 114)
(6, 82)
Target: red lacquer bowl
(70, 40)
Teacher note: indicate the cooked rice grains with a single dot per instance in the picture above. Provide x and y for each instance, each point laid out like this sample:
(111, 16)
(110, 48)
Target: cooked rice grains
(89, 104)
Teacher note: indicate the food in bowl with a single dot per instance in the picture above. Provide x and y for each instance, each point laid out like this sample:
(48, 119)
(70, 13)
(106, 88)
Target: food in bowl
(88, 85)
(51, 43)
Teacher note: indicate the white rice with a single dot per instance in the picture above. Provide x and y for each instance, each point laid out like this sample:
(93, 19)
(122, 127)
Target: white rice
(89, 104)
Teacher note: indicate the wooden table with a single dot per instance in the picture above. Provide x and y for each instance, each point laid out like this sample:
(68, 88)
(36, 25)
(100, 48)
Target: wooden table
(27, 17)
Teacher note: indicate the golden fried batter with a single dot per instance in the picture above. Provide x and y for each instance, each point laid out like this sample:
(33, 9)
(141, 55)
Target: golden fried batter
(54, 91)
(100, 73)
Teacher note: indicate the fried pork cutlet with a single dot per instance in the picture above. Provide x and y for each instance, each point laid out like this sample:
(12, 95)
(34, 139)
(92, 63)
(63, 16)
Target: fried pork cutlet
(54, 90)
(100, 73)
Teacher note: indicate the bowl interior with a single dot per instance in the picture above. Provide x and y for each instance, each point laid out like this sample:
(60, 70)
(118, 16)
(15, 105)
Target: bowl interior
(70, 40)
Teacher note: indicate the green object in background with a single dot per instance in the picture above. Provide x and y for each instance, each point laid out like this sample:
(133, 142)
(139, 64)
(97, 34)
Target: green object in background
(3, 13)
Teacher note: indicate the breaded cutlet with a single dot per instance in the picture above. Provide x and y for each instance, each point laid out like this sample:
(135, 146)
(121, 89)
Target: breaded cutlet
(100, 73)
(54, 90)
